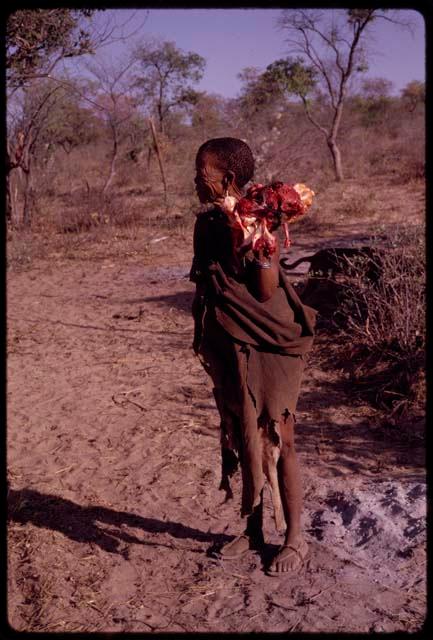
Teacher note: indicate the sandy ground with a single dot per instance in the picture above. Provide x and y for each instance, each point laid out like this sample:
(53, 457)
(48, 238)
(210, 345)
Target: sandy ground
(113, 459)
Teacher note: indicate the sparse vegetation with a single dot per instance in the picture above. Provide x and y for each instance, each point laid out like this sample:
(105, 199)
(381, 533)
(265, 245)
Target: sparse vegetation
(113, 434)
(71, 152)
(379, 326)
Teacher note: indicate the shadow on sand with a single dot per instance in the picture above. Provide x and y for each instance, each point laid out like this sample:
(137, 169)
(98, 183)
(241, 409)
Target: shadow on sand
(86, 524)
(363, 447)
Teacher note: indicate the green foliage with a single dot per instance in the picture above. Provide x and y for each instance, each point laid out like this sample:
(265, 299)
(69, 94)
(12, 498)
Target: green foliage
(257, 93)
(189, 96)
(413, 94)
(377, 88)
(165, 75)
(360, 16)
(264, 97)
(69, 124)
(207, 114)
(374, 101)
(35, 36)
(292, 76)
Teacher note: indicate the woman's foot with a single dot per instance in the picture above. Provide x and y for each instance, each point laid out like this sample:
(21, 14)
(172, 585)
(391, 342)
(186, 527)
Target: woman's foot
(240, 545)
(289, 557)
(251, 538)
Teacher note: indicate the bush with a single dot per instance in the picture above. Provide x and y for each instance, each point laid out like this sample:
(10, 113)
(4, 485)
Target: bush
(384, 329)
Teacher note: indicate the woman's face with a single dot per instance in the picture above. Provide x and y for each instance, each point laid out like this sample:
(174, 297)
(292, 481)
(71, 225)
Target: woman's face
(210, 180)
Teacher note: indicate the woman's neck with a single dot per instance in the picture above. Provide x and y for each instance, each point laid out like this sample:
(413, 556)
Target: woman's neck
(228, 201)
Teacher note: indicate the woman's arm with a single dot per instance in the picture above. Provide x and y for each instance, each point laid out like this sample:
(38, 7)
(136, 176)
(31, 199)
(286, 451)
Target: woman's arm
(196, 275)
(263, 273)
(262, 269)
(198, 307)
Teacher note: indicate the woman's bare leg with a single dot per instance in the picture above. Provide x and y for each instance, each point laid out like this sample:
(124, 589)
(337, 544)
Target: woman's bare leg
(252, 538)
(289, 479)
(254, 528)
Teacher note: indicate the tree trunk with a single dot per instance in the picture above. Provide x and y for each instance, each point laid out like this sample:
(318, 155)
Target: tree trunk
(160, 119)
(330, 137)
(28, 198)
(112, 165)
(12, 211)
(336, 158)
(161, 164)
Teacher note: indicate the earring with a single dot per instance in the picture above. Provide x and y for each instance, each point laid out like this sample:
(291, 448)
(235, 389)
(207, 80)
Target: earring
(228, 203)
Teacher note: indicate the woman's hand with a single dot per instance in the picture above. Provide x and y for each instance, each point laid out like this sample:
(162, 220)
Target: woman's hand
(262, 254)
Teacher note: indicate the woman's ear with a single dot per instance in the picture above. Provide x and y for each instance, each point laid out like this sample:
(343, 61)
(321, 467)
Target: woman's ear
(229, 179)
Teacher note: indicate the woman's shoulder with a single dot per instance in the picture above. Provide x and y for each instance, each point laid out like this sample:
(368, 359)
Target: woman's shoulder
(209, 216)
(209, 221)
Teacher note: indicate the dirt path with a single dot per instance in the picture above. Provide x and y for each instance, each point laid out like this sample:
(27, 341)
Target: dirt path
(113, 463)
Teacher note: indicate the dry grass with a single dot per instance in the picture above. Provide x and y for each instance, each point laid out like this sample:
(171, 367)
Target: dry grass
(384, 167)
(380, 326)
(83, 223)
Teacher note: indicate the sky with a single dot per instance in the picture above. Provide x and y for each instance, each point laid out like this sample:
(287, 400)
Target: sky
(232, 39)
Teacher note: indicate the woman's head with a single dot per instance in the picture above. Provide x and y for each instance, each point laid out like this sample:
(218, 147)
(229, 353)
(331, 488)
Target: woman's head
(223, 164)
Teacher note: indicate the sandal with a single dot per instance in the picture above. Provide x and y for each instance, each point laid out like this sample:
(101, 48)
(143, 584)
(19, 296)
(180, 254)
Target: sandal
(224, 552)
(300, 551)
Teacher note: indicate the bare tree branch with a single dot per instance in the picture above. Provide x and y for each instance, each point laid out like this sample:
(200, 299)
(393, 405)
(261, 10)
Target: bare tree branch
(334, 49)
(312, 119)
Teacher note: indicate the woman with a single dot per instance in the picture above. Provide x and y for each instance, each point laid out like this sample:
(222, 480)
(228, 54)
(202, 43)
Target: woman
(251, 334)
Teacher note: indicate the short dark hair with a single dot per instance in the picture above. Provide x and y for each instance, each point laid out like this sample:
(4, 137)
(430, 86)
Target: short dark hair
(233, 154)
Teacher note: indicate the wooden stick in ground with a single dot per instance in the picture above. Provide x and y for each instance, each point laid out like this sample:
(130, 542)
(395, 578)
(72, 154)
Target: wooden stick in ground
(161, 165)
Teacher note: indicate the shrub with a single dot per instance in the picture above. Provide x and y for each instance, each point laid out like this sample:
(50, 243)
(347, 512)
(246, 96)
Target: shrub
(384, 329)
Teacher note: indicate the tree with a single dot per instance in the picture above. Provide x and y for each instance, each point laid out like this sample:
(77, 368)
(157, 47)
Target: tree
(330, 50)
(69, 123)
(165, 75)
(257, 92)
(36, 39)
(207, 115)
(260, 103)
(274, 122)
(413, 94)
(38, 100)
(375, 100)
(377, 88)
(115, 105)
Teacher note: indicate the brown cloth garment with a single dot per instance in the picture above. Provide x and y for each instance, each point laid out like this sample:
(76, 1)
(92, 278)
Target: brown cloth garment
(253, 352)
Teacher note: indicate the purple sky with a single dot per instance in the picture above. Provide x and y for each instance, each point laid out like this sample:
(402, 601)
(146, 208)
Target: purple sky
(232, 39)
